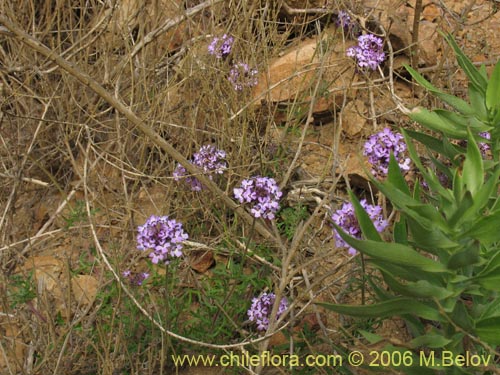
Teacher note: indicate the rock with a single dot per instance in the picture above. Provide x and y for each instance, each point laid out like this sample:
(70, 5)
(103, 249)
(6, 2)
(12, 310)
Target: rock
(354, 117)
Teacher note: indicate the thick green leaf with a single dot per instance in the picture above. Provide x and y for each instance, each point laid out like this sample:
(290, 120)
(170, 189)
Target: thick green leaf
(406, 272)
(481, 199)
(392, 252)
(463, 207)
(488, 330)
(418, 289)
(430, 340)
(393, 307)
(493, 90)
(395, 177)
(474, 75)
(434, 144)
(432, 240)
(365, 223)
(473, 171)
(457, 103)
(486, 230)
(478, 102)
(431, 179)
(466, 257)
(436, 122)
(400, 231)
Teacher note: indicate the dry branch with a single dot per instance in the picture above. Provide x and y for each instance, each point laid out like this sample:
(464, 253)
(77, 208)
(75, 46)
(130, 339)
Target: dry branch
(88, 81)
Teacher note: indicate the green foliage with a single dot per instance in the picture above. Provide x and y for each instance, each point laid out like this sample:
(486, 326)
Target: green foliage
(289, 218)
(443, 262)
(20, 289)
(78, 214)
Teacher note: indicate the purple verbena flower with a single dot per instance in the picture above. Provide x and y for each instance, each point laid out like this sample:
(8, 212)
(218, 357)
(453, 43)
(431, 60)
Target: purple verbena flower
(135, 279)
(261, 308)
(483, 146)
(263, 193)
(221, 47)
(163, 236)
(241, 76)
(369, 52)
(378, 148)
(210, 159)
(345, 218)
(343, 20)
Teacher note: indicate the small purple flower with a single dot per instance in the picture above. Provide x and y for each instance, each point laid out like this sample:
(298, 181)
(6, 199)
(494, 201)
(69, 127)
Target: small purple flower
(263, 193)
(344, 20)
(163, 236)
(261, 308)
(221, 47)
(209, 159)
(135, 279)
(241, 76)
(378, 148)
(369, 52)
(345, 218)
(483, 146)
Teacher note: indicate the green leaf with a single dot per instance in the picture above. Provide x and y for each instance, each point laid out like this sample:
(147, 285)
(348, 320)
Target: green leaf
(473, 171)
(365, 223)
(493, 90)
(457, 103)
(393, 253)
(395, 177)
(434, 144)
(400, 231)
(371, 337)
(486, 230)
(488, 330)
(418, 289)
(465, 257)
(478, 102)
(474, 75)
(430, 340)
(432, 240)
(406, 273)
(397, 306)
(437, 122)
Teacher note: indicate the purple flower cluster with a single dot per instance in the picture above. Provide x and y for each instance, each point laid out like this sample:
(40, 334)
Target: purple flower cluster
(345, 218)
(221, 47)
(210, 159)
(344, 20)
(263, 193)
(241, 76)
(261, 308)
(135, 278)
(369, 52)
(163, 236)
(378, 148)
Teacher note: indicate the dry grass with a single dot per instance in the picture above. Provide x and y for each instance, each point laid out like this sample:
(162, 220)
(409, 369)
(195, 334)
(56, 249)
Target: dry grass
(97, 109)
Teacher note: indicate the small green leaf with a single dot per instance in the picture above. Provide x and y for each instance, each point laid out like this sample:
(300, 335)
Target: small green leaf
(430, 340)
(473, 171)
(493, 90)
(393, 307)
(371, 337)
